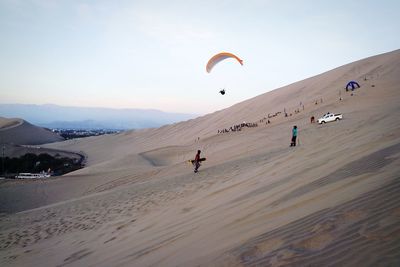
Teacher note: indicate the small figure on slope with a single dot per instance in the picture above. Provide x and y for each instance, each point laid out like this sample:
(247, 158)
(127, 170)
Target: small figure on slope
(196, 162)
(294, 136)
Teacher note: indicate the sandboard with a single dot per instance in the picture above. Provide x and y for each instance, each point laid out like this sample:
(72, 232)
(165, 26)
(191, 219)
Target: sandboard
(192, 160)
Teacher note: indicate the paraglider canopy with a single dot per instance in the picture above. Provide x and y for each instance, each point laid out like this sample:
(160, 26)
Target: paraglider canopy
(218, 58)
(222, 92)
(352, 85)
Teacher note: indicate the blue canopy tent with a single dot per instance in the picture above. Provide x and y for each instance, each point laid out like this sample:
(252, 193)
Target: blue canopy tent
(352, 85)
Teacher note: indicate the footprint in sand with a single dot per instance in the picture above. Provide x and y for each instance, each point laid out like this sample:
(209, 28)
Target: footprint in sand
(366, 232)
(13, 257)
(324, 232)
(389, 221)
(316, 242)
(339, 221)
(328, 225)
(269, 245)
(353, 215)
(187, 209)
(396, 212)
(76, 256)
(111, 239)
(260, 250)
(386, 229)
(282, 256)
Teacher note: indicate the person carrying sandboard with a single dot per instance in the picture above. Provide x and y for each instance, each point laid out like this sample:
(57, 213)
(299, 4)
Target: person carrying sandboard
(196, 162)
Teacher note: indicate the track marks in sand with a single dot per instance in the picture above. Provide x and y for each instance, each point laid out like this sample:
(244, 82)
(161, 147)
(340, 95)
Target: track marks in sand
(160, 244)
(109, 240)
(125, 180)
(261, 249)
(226, 188)
(76, 256)
(316, 242)
(362, 232)
(368, 164)
(40, 231)
(187, 209)
(94, 211)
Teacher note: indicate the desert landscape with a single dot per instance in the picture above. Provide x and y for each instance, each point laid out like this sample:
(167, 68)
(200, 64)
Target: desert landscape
(333, 200)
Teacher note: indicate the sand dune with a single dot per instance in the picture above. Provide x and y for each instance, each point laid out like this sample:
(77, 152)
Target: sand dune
(331, 201)
(20, 132)
(9, 123)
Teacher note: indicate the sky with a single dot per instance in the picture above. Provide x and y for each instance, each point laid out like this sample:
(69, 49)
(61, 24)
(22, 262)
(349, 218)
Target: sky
(152, 54)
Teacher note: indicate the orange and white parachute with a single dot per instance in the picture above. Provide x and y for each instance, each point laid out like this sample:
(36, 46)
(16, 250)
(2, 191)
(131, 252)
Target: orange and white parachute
(218, 58)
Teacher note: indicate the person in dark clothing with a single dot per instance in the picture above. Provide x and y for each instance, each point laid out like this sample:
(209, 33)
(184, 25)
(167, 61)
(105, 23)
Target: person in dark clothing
(294, 136)
(197, 161)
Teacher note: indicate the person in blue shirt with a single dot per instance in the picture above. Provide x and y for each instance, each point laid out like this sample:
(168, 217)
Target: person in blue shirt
(294, 136)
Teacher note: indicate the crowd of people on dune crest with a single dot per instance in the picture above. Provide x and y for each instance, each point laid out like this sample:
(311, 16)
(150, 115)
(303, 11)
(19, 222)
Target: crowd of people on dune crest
(267, 119)
(238, 127)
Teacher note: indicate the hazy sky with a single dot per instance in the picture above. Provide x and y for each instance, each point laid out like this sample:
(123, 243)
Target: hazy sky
(152, 54)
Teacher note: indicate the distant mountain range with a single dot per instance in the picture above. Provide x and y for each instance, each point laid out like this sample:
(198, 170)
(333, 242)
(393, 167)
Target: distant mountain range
(54, 116)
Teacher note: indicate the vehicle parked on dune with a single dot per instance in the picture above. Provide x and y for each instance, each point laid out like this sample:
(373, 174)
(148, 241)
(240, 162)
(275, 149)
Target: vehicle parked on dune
(328, 117)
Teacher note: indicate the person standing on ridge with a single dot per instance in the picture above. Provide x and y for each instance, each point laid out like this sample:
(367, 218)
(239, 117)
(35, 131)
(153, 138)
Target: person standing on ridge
(294, 136)
(196, 162)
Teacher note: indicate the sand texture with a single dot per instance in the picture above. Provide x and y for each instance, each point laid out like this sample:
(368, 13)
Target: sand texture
(333, 200)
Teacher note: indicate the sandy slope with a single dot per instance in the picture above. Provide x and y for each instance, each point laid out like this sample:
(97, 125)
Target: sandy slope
(20, 132)
(333, 200)
(9, 123)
